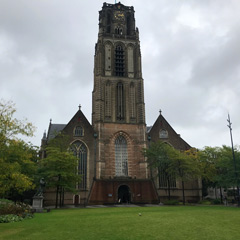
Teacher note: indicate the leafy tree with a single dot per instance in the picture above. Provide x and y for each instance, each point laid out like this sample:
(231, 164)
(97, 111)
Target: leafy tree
(17, 158)
(158, 157)
(208, 158)
(183, 167)
(59, 168)
(10, 127)
(217, 167)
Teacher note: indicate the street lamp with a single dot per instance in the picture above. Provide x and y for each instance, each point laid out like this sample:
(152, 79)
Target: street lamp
(234, 159)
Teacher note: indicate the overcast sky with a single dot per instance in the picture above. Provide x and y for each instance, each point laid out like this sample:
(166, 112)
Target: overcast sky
(190, 60)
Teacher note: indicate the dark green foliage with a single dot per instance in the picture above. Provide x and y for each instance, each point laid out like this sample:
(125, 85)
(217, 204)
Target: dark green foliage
(173, 163)
(216, 201)
(17, 158)
(171, 202)
(59, 168)
(10, 212)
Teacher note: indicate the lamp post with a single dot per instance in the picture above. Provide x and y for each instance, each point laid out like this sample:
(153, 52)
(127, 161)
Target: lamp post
(234, 159)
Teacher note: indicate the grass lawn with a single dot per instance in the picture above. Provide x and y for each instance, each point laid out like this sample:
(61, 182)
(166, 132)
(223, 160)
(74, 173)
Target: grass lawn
(190, 222)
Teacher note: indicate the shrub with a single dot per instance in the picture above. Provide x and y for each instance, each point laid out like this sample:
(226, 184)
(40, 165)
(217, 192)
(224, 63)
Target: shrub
(10, 212)
(205, 202)
(10, 218)
(16, 209)
(5, 201)
(216, 201)
(171, 202)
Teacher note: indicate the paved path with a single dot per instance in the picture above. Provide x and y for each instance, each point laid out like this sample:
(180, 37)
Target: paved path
(109, 206)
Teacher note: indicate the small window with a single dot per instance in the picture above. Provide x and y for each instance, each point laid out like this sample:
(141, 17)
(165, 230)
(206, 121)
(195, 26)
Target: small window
(163, 134)
(78, 132)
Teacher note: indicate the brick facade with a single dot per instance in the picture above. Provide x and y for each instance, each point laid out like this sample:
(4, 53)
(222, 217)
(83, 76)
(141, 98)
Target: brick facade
(116, 169)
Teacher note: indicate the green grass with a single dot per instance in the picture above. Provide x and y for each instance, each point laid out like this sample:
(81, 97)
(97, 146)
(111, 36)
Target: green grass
(193, 223)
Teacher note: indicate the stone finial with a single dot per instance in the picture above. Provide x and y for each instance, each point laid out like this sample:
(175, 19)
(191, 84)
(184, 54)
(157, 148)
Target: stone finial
(44, 135)
(79, 106)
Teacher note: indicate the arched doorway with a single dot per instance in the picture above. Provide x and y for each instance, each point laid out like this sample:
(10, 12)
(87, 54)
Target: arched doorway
(124, 195)
(76, 199)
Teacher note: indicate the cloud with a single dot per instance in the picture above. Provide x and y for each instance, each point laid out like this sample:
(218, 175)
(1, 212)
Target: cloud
(190, 61)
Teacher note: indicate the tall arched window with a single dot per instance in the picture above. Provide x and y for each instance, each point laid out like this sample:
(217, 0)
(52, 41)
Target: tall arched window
(120, 101)
(121, 157)
(80, 151)
(132, 101)
(119, 61)
(108, 102)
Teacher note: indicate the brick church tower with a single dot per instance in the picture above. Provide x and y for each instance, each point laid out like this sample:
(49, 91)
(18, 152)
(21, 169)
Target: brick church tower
(118, 110)
(109, 150)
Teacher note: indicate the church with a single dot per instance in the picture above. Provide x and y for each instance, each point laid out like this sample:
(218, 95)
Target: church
(110, 148)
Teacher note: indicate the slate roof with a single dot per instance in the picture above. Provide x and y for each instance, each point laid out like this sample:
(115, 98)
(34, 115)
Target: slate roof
(54, 129)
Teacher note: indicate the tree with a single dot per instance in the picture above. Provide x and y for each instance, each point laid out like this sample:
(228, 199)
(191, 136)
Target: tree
(217, 167)
(158, 157)
(183, 167)
(59, 168)
(17, 158)
(207, 159)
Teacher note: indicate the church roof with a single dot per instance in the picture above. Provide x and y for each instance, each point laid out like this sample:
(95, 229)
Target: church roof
(172, 137)
(54, 129)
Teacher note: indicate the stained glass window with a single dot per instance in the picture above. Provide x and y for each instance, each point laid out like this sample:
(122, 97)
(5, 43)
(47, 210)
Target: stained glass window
(80, 151)
(121, 157)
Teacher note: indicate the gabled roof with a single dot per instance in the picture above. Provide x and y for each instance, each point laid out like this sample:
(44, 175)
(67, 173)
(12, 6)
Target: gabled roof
(173, 137)
(54, 129)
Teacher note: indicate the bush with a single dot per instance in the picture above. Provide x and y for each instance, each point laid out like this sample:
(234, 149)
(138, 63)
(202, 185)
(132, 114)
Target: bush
(5, 201)
(10, 218)
(10, 212)
(205, 202)
(171, 202)
(216, 201)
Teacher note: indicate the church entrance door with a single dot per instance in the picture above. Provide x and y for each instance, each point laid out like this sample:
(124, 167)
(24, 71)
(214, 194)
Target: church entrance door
(124, 195)
(76, 199)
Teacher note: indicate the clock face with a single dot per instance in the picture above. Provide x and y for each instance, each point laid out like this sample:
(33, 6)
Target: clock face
(119, 15)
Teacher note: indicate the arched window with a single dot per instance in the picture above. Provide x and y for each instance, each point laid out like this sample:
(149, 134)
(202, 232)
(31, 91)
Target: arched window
(78, 131)
(80, 151)
(120, 101)
(165, 180)
(109, 22)
(108, 102)
(118, 31)
(121, 157)
(129, 25)
(132, 101)
(119, 61)
(163, 133)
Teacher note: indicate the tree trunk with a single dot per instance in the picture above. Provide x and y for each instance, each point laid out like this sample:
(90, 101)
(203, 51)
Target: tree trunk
(169, 193)
(62, 197)
(221, 195)
(56, 204)
(60, 200)
(183, 192)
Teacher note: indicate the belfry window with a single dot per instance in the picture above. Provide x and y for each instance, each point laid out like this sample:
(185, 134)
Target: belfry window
(78, 131)
(80, 151)
(121, 157)
(119, 61)
(120, 101)
(118, 31)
